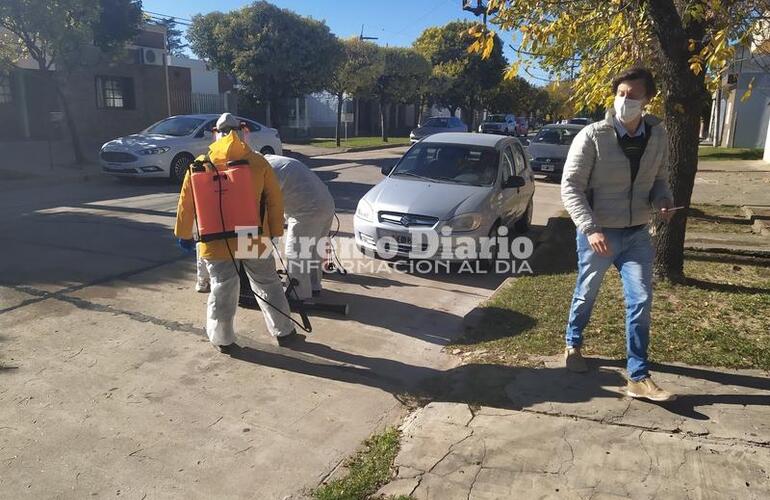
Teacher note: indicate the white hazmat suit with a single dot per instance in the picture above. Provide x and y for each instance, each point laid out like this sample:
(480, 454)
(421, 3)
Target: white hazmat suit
(309, 209)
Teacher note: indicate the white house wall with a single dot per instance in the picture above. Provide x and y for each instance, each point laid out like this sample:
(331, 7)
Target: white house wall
(202, 79)
(751, 116)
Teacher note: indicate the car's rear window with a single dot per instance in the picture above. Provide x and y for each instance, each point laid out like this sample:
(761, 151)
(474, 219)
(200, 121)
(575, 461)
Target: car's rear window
(495, 118)
(451, 163)
(436, 122)
(554, 135)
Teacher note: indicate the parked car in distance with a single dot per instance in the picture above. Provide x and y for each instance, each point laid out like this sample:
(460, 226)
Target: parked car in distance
(548, 149)
(522, 127)
(435, 125)
(166, 148)
(471, 183)
(498, 124)
(579, 121)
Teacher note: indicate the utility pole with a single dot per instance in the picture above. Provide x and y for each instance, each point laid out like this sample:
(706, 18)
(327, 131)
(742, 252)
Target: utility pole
(362, 37)
(479, 10)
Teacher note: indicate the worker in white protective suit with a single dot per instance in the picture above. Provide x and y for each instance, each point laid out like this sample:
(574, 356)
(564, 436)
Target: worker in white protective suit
(309, 209)
(221, 256)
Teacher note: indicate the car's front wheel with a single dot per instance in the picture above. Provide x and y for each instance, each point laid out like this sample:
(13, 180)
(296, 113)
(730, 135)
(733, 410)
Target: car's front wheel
(179, 166)
(267, 150)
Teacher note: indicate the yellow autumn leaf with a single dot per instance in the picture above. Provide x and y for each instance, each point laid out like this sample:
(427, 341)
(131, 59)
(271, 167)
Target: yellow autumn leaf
(512, 71)
(746, 95)
(489, 44)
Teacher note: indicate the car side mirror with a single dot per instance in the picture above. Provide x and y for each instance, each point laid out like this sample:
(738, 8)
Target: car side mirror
(386, 169)
(514, 182)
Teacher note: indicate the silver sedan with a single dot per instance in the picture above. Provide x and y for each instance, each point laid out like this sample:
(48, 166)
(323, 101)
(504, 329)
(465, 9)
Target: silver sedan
(465, 184)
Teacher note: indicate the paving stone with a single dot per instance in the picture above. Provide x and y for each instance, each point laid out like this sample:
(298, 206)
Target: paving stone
(398, 488)
(520, 454)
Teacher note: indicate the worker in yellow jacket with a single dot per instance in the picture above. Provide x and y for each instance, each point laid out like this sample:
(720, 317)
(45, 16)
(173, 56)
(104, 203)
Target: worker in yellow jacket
(257, 260)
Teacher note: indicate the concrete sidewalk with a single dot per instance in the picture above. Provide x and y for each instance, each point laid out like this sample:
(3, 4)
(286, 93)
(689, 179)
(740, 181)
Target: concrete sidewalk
(734, 182)
(554, 434)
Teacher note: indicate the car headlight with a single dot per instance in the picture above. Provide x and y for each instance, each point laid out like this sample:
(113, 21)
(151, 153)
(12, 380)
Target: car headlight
(365, 211)
(154, 151)
(465, 222)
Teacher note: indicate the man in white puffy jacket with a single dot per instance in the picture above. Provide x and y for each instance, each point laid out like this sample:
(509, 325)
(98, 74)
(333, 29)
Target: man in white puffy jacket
(309, 209)
(615, 174)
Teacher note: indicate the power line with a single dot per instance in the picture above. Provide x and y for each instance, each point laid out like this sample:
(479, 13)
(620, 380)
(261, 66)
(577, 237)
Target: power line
(168, 16)
(416, 21)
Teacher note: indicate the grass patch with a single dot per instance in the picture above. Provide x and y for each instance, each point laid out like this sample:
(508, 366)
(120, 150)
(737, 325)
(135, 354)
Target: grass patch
(368, 470)
(357, 142)
(707, 153)
(720, 318)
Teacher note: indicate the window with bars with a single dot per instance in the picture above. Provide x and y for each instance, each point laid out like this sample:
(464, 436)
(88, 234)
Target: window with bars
(114, 92)
(6, 95)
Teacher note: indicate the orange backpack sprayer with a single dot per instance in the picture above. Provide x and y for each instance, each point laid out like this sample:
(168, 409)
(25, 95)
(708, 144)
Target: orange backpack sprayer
(224, 200)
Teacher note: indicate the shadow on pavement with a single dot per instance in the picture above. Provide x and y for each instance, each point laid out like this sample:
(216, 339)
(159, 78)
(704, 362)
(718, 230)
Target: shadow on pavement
(504, 387)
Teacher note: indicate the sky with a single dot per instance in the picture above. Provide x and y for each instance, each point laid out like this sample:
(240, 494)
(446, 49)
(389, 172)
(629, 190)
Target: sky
(393, 22)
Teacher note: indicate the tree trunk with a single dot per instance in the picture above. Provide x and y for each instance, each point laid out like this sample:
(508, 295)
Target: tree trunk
(275, 121)
(452, 110)
(684, 94)
(339, 118)
(74, 139)
(384, 115)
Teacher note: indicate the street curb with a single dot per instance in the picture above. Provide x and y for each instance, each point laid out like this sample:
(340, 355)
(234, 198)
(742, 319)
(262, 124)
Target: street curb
(375, 148)
(473, 318)
(41, 180)
(729, 251)
(350, 150)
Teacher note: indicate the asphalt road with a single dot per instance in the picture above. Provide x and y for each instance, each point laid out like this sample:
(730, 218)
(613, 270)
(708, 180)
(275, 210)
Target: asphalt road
(109, 387)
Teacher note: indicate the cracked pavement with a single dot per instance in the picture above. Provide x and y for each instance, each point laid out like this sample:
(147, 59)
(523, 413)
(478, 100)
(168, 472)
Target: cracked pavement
(578, 436)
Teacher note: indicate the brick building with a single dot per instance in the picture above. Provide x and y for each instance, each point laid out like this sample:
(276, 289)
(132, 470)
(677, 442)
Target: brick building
(107, 98)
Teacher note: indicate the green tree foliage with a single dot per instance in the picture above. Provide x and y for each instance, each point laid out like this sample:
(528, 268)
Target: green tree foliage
(688, 44)
(173, 36)
(356, 73)
(513, 95)
(400, 81)
(273, 53)
(459, 77)
(55, 33)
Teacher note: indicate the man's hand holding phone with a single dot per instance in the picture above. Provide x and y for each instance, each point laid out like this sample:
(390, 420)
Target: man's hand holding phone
(667, 210)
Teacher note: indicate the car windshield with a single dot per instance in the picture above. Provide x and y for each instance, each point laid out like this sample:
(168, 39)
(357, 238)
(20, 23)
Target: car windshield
(495, 118)
(451, 163)
(177, 127)
(436, 122)
(579, 121)
(555, 135)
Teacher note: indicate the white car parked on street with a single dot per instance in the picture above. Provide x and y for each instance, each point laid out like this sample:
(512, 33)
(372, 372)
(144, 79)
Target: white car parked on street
(167, 148)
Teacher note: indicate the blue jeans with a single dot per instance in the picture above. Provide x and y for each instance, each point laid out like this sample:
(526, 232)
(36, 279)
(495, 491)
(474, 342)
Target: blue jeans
(631, 252)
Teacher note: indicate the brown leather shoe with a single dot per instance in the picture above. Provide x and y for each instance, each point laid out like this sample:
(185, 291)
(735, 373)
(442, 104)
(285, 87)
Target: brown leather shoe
(574, 360)
(647, 389)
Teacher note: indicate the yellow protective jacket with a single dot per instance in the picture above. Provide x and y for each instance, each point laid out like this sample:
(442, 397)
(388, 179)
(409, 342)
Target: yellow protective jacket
(231, 147)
